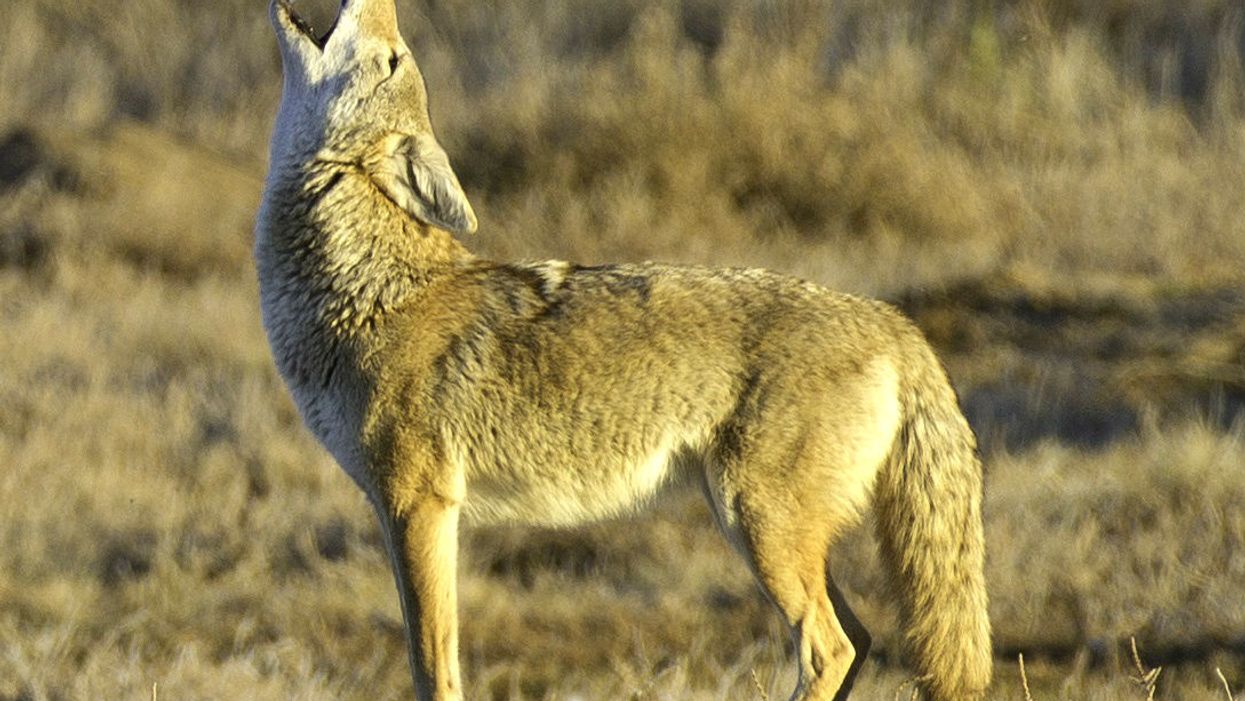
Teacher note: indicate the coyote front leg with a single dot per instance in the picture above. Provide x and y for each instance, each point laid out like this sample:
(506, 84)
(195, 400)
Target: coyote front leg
(422, 540)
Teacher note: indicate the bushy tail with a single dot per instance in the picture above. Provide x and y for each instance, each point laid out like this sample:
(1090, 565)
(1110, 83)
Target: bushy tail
(928, 503)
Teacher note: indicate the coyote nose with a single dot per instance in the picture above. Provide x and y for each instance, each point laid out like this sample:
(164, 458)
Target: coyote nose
(375, 18)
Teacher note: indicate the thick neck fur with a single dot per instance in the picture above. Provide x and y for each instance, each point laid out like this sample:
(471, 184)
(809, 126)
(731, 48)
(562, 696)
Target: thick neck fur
(335, 256)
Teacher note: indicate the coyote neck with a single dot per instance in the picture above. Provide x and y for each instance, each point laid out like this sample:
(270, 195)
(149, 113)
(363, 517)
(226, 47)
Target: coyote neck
(337, 255)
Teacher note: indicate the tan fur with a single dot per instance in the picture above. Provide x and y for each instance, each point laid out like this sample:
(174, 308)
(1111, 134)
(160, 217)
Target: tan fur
(550, 393)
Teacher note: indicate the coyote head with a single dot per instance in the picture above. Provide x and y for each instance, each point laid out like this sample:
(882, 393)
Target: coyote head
(354, 96)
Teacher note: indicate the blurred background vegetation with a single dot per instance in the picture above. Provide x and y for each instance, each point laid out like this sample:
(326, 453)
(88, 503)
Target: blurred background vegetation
(1053, 189)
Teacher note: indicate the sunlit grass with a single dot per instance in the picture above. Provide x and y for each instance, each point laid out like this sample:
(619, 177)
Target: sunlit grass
(165, 519)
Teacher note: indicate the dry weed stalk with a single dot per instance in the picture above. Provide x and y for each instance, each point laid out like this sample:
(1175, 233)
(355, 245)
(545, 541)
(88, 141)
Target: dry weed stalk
(1024, 678)
(756, 682)
(908, 683)
(1146, 679)
(1227, 689)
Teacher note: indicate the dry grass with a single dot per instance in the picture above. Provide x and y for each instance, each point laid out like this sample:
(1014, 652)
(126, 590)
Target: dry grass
(1052, 189)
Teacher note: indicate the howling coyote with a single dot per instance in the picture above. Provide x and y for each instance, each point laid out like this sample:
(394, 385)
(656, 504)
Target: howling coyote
(550, 393)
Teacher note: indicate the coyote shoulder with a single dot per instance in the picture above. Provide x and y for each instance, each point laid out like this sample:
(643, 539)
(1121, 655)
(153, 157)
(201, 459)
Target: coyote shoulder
(550, 393)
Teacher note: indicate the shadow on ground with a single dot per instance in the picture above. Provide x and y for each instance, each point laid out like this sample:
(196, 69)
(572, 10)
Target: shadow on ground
(1086, 366)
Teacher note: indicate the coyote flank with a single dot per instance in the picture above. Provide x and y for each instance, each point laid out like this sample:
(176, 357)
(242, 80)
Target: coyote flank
(550, 393)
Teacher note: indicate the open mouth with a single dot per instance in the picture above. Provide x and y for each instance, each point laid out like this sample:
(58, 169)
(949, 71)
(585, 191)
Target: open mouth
(305, 27)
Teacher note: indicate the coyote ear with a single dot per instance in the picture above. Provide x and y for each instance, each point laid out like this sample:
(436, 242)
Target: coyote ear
(415, 173)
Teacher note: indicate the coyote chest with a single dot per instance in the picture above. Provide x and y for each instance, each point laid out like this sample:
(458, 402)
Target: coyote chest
(331, 417)
(313, 373)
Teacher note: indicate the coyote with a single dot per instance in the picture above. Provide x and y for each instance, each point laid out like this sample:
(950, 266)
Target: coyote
(549, 393)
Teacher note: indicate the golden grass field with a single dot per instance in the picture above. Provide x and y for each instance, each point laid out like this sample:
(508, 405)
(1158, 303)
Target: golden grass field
(1054, 189)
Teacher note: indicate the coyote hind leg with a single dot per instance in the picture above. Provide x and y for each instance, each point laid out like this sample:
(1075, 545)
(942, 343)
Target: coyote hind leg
(856, 632)
(783, 497)
(790, 567)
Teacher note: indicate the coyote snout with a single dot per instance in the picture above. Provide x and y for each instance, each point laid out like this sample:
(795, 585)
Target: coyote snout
(550, 393)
